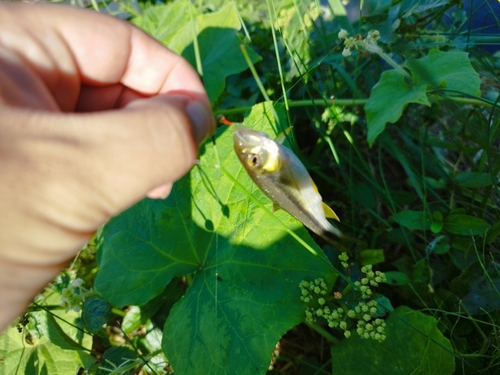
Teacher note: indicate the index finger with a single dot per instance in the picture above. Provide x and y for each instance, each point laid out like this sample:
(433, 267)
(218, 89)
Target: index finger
(69, 47)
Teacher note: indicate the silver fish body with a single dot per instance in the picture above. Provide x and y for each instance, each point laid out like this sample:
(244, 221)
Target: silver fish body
(279, 173)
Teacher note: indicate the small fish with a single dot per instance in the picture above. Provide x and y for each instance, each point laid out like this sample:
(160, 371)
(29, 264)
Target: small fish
(279, 173)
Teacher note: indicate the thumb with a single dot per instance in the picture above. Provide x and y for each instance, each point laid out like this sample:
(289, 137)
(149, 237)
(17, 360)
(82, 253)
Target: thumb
(63, 175)
(151, 142)
(96, 165)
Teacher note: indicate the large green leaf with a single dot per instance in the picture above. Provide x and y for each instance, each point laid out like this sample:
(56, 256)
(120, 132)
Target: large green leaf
(55, 346)
(390, 96)
(244, 295)
(451, 69)
(414, 345)
(163, 21)
(38, 357)
(176, 24)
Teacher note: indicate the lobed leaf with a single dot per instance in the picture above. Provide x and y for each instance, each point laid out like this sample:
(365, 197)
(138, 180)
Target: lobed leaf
(451, 69)
(163, 21)
(388, 98)
(62, 348)
(246, 267)
(414, 345)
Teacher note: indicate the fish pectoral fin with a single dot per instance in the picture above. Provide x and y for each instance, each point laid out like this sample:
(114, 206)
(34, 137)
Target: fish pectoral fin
(329, 213)
(280, 138)
(276, 207)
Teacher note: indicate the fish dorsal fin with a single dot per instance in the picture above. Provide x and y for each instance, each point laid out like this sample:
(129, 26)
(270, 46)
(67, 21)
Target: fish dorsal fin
(329, 213)
(280, 138)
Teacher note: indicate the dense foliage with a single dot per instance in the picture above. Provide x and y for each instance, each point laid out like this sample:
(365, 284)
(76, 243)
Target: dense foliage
(395, 114)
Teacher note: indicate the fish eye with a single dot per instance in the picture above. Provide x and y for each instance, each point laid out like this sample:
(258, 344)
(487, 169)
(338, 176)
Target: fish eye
(253, 159)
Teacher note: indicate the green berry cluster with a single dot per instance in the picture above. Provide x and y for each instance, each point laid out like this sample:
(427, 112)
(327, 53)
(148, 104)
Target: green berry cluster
(315, 291)
(372, 330)
(372, 279)
(368, 326)
(335, 311)
(311, 289)
(343, 259)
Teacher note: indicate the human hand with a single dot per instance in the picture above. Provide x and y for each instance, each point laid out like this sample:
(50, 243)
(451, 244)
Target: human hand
(94, 114)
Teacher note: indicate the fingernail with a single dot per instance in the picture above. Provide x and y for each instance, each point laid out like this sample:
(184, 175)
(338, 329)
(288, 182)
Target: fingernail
(202, 120)
(160, 192)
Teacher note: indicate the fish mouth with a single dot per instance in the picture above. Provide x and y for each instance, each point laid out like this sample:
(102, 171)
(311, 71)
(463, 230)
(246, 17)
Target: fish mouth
(245, 137)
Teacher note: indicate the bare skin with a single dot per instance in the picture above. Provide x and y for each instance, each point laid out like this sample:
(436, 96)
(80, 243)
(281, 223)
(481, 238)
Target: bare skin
(94, 116)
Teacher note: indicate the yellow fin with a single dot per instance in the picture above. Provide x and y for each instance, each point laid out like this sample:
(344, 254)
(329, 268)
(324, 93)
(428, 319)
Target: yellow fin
(280, 138)
(316, 190)
(329, 212)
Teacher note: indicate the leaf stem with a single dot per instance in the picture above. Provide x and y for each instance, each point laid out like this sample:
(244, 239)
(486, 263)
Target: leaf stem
(116, 311)
(323, 332)
(194, 27)
(254, 73)
(374, 48)
(299, 103)
(468, 99)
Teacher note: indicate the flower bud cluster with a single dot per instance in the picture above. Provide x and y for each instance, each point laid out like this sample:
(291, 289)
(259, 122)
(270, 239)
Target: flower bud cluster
(372, 279)
(368, 43)
(365, 314)
(343, 259)
(73, 296)
(368, 326)
(310, 290)
(374, 329)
